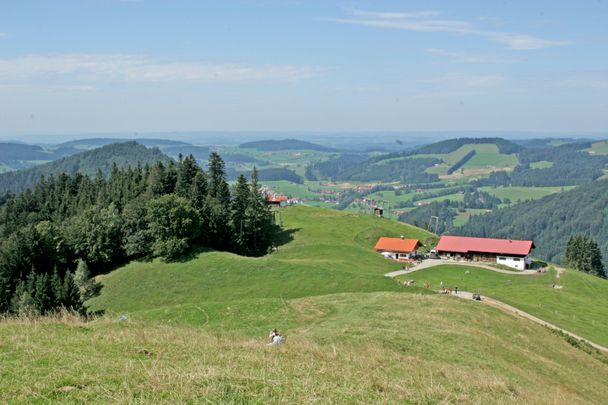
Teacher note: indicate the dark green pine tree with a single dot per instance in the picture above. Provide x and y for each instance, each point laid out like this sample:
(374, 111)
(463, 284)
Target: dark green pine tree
(238, 217)
(218, 187)
(71, 293)
(583, 254)
(57, 289)
(156, 179)
(186, 173)
(100, 186)
(260, 217)
(170, 179)
(42, 293)
(198, 192)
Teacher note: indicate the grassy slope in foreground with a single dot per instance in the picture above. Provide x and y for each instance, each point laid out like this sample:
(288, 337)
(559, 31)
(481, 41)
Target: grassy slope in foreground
(331, 252)
(385, 347)
(580, 306)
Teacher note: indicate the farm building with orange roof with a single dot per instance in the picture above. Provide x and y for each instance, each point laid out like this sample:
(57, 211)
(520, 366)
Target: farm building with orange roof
(397, 248)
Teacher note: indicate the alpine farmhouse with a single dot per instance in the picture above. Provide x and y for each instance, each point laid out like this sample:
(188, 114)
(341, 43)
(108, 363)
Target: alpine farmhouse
(508, 252)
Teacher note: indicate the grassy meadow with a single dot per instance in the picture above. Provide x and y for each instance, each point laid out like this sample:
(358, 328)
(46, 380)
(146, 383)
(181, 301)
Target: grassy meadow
(383, 347)
(515, 193)
(331, 252)
(195, 331)
(580, 306)
(487, 157)
(599, 148)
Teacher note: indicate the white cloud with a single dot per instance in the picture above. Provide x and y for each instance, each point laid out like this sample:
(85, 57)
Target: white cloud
(468, 57)
(135, 68)
(588, 81)
(522, 41)
(463, 81)
(423, 21)
(389, 15)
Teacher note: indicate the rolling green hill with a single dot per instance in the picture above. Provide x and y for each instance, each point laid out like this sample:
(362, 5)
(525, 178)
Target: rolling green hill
(88, 163)
(15, 156)
(330, 253)
(195, 332)
(579, 306)
(284, 144)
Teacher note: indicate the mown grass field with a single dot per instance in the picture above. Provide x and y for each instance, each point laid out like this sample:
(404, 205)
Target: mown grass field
(291, 189)
(487, 156)
(463, 217)
(523, 193)
(331, 252)
(384, 347)
(599, 148)
(543, 164)
(195, 332)
(580, 306)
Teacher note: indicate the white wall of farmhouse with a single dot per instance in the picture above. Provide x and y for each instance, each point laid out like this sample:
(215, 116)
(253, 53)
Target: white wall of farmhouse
(516, 262)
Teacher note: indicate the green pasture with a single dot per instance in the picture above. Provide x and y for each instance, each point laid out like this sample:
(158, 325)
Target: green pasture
(523, 193)
(580, 306)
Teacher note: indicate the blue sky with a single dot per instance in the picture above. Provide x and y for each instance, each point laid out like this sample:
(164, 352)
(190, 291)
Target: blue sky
(94, 66)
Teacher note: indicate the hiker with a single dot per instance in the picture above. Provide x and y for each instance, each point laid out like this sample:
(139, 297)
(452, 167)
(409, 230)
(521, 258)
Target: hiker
(275, 338)
(456, 290)
(272, 335)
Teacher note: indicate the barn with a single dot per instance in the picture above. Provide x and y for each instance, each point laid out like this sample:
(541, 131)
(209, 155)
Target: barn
(509, 252)
(397, 248)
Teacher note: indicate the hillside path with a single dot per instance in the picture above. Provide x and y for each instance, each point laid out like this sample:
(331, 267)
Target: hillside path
(493, 302)
(508, 308)
(437, 262)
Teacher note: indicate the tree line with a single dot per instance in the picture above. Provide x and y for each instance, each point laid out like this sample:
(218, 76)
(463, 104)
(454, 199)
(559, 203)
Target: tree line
(549, 221)
(70, 222)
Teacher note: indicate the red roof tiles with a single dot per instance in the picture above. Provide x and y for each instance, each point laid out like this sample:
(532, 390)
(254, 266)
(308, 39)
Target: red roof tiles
(463, 244)
(276, 198)
(396, 245)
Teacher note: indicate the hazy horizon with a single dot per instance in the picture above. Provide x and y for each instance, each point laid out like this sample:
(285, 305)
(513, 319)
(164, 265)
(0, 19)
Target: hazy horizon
(107, 66)
(232, 137)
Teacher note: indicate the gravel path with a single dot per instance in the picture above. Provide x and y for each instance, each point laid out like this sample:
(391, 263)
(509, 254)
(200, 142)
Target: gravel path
(508, 308)
(425, 264)
(491, 301)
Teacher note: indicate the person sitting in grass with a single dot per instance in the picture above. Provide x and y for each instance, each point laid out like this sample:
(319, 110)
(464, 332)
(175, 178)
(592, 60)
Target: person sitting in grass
(275, 338)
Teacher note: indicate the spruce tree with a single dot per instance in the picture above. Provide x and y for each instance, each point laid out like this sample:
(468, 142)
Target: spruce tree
(261, 228)
(239, 208)
(186, 173)
(198, 192)
(82, 274)
(71, 293)
(583, 254)
(42, 294)
(218, 187)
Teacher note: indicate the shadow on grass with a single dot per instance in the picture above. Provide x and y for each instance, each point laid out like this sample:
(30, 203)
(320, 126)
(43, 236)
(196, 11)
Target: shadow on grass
(284, 236)
(191, 254)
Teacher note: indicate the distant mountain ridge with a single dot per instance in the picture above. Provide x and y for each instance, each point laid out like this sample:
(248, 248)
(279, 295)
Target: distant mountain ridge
(88, 163)
(285, 144)
(18, 155)
(97, 142)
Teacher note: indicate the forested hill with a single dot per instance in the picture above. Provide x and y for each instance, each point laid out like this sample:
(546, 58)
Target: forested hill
(88, 163)
(284, 144)
(450, 145)
(550, 221)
